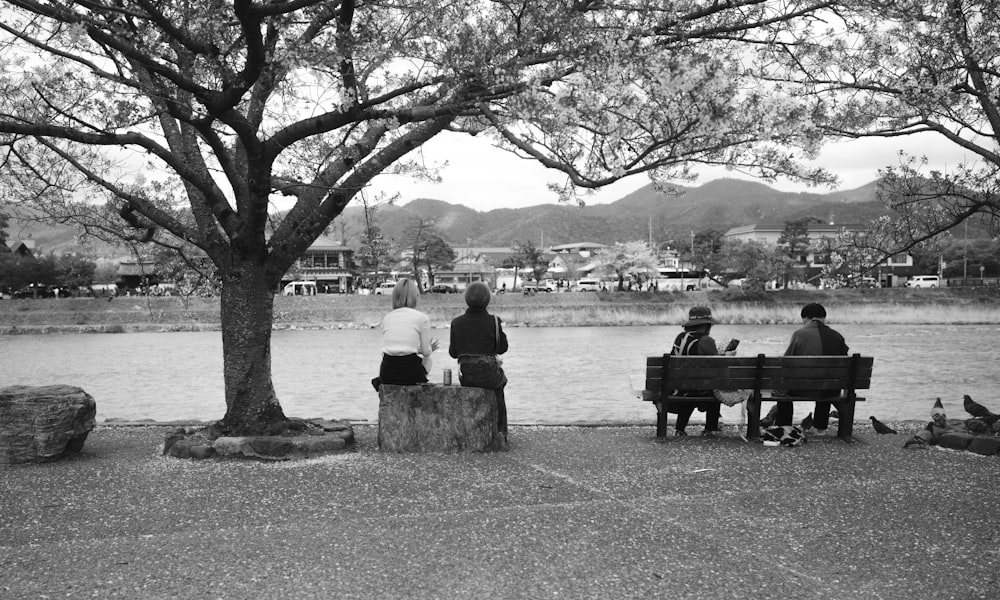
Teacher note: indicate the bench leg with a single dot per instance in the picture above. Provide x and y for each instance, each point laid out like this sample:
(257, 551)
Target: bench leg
(845, 423)
(661, 420)
(753, 418)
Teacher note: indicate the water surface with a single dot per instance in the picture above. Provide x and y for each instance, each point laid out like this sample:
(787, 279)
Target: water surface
(557, 375)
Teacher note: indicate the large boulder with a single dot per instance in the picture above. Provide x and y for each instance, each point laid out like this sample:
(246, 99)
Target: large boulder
(43, 423)
(438, 418)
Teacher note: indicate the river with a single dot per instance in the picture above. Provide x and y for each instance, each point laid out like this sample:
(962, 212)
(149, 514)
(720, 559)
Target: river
(557, 375)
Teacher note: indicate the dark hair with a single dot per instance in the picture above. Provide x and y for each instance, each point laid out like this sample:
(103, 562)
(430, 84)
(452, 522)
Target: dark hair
(477, 295)
(813, 310)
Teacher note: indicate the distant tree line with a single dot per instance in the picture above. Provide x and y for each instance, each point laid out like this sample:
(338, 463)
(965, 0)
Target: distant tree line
(67, 271)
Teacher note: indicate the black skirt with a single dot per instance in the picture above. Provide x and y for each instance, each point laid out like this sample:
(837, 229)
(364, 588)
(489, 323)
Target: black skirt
(402, 370)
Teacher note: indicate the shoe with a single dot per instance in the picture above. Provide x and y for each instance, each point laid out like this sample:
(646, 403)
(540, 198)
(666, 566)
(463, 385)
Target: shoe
(680, 433)
(710, 433)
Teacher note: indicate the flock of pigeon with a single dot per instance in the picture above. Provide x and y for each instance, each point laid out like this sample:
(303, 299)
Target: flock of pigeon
(983, 421)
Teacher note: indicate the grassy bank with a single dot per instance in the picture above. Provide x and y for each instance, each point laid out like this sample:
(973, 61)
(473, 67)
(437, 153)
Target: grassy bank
(125, 314)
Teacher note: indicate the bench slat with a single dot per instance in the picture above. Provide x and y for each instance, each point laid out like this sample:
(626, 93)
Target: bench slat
(748, 383)
(769, 361)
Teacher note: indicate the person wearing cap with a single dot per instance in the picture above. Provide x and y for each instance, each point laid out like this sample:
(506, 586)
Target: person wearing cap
(406, 339)
(814, 338)
(477, 338)
(696, 341)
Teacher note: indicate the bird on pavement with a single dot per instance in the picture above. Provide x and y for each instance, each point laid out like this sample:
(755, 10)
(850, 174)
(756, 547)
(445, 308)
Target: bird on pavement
(807, 422)
(978, 410)
(937, 414)
(881, 427)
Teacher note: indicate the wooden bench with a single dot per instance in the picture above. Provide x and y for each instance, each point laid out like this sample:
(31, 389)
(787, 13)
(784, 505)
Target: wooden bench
(762, 376)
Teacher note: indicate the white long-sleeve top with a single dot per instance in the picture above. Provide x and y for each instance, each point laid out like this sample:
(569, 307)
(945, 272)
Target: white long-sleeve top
(406, 331)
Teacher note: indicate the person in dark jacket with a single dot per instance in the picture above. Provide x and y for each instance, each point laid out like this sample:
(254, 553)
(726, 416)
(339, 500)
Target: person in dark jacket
(814, 338)
(696, 341)
(477, 338)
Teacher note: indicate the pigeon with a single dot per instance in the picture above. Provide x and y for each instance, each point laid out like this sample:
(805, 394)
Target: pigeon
(881, 427)
(807, 422)
(937, 414)
(978, 410)
(921, 439)
(977, 426)
(768, 419)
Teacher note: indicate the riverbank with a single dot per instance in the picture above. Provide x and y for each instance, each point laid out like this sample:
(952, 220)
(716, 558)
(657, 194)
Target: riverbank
(604, 512)
(574, 309)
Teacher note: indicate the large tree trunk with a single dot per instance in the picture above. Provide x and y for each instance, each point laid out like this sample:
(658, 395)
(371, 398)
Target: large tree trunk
(252, 407)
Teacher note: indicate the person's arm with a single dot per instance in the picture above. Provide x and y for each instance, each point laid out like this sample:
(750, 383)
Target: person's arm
(452, 345)
(707, 346)
(426, 343)
(501, 337)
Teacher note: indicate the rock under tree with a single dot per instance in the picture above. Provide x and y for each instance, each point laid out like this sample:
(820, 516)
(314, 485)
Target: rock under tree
(43, 423)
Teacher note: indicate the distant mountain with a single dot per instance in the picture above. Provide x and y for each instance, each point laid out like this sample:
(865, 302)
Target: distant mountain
(718, 204)
(673, 214)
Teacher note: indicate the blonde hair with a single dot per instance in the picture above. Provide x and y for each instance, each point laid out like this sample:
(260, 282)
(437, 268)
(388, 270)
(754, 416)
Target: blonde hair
(405, 294)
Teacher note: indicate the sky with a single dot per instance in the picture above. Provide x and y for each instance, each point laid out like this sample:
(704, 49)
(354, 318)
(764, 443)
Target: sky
(485, 178)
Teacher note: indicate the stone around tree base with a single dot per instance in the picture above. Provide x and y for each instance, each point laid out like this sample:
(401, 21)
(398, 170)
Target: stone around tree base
(438, 418)
(311, 439)
(43, 423)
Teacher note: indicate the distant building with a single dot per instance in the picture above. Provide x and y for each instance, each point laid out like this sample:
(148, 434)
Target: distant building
(329, 264)
(473, 264)
(584, 249)
(770, 233)
(134, 275)
(23, 248)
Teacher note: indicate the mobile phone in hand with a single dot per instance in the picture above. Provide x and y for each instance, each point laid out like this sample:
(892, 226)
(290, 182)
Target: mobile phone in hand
(732, 345)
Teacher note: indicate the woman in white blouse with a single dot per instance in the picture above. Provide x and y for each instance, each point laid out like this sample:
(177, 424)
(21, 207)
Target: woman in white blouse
(406, 339)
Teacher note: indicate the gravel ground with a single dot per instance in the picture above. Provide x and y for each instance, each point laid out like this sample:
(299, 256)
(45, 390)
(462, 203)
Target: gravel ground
(568, 512)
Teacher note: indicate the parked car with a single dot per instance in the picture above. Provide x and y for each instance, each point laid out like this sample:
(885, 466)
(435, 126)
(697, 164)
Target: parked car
(532, 287)
(32, 291)
(385, 288)
(863, 282)
(588, 285)
(443, 288)
(924, 281)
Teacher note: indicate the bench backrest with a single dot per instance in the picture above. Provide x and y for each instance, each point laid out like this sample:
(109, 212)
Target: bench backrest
(758, 372)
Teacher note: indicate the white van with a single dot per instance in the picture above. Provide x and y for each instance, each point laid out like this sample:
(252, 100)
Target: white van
(588, 285)
(385, 288)
(300, 288)
(924, 281)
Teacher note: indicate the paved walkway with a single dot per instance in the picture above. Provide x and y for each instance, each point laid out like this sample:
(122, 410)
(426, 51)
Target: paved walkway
(568, 512)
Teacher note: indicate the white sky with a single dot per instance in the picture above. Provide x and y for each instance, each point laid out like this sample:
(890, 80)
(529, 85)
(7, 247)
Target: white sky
(485, 178)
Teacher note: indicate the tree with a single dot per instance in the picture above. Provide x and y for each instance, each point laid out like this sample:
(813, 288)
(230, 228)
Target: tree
(437, 255)
(628, 259)
(795, 243)
(187, 119)
(526, 254)
(375, 250)
(899, 68)
(76, 271)
(416, 235)
(756, 263)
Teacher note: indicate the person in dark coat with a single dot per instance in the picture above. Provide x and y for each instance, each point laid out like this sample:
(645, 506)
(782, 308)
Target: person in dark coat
(814, 338)
(696, 341)
(477, 338)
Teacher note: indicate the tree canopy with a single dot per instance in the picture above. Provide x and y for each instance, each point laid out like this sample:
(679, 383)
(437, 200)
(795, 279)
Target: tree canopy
(902, 67)
(181, 123)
